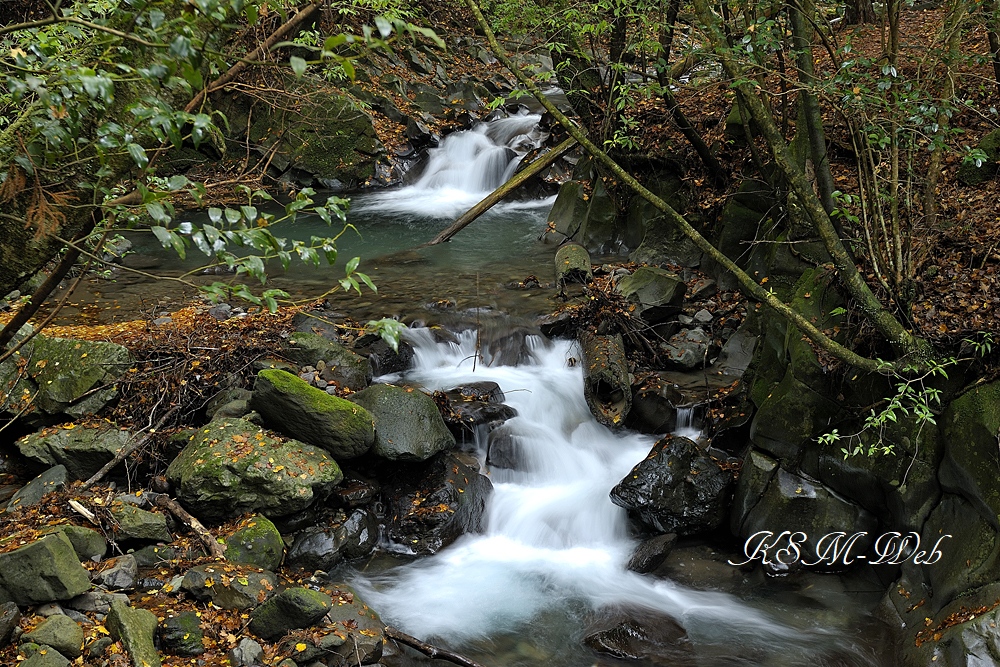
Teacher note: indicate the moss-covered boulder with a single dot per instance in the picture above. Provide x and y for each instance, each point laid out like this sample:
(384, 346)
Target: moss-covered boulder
(233, 467)
(83, 450)
(340, 365)
(32, 493)
(290, 405)
(291, 609)
(567, 213)
(136, 630)
(657, 293)
(135, 523)
(181, 634)
(970, 427)
(88, 544)
(229, 586)
(63, 376)
(791, 415)
(43, 571)
(61, 633)
(408, 425)
(256, 542)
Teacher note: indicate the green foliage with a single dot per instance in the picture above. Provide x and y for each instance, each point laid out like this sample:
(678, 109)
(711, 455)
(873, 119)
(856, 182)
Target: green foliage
(389, 329)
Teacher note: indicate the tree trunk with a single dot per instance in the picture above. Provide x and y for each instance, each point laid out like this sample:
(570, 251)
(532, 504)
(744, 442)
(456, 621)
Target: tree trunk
(859, 11)
(992, 10)
(606, 383)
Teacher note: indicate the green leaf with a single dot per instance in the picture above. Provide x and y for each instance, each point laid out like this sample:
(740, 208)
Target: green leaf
(162, 234)
(352, 265)
(367, 281)
(157, 213)
(298, 66)
(138, 154)
(232, 216)
(384, 27)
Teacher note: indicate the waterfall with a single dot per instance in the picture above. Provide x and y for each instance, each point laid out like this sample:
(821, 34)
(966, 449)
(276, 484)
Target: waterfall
(466, 167)
(554, 546)
(685, 425)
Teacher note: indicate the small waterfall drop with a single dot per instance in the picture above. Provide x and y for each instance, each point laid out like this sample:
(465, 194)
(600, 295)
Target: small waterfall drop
(554, 550)
(685, 425)
(466, 167)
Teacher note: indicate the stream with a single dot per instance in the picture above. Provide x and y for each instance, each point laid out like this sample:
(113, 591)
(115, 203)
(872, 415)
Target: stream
(549, 569)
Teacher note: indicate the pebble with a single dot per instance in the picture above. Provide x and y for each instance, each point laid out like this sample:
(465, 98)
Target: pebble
(703, 316)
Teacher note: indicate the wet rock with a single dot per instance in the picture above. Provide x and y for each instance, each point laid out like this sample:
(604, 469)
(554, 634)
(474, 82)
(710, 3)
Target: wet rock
(135, 629)
(651, 553)
(408, 426)
(181, 634)
(123, 574)
(42, 571)
(504, 449)
(361, 626)
(232, 467)
(687, 350)
(31, 493)
(82, 450)
(556, 325)
(96, 648)
(229, 587)
(257, 542)
(138, 524)
(10, 618)
(291, 609)
(61, 633)
(433, 504)
(291, 406)
(342, 365)
(657, 293)
(341, 537)
(382, 358)
(466, 408)
(88, 544)
(355, 491)
(246, 653)
(791, 415)
(677, 488)
(662, 639)
(654, 406)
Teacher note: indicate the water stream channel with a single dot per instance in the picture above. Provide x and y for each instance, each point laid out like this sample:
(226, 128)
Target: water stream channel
(550, 566)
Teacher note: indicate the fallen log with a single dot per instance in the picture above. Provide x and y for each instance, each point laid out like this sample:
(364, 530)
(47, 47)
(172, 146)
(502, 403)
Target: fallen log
(497, 195)
(212, 545)
(429, 650)
(607, 385)
(573, 265)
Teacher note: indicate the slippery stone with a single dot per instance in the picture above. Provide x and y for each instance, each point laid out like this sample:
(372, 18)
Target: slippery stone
(88, 544)
(291, 609)
(341, 537)
(291, 406)
(408, 426)
(651, 553)
(349, 370)
(122, 574)
(257, 542)
(362, 628)
(232, 467)
(229, 587)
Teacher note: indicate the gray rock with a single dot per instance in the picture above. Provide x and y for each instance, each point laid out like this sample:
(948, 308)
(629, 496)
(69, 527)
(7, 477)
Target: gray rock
(96, 601)
(677, 488)
(504, 449)
(229, 587)
(651, 553)
(636, 639)
(343, 366)
(342, 537)
(138, 524)
(290, 405)
(51, 480)
(136, 630)
(96, 648)
(291, 609)
(88, 544)
(231, 467)
(122, 574)
(687, 350)
(654, 406)
(10, 618)
(45, 570)
(657, 293)
(703, 316)
(362, 628)
(61, 633)
(181, 634)
(256, 542)
(82, 450)
(45, 656)
(408, 426)
(246, 653)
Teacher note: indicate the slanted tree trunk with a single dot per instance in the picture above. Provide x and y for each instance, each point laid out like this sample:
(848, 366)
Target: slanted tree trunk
(859, 11)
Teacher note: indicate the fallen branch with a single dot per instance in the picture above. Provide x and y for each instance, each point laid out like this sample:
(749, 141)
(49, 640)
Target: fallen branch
(212, 545)
(129, 448)
(84, 512)
(427, 649)
(497, 195)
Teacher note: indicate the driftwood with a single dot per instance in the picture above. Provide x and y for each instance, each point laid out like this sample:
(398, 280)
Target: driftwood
(606, 383)
(212, 545)
(128, 448)
(573, 265)
(429, 650)
(497, 195)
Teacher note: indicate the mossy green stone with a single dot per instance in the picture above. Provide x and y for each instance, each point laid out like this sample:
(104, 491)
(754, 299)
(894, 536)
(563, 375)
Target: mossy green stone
(408, 425)
(135, 628)
(231, 467)
(138, 524)
(82, 450)
(291, 609)
(61, 633)
(88, 544)
(257, 543)
(292, 406)
(182, 634)
(347, 368)
(44, 571)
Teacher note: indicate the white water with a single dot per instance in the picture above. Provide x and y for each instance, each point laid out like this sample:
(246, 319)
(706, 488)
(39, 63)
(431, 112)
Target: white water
(466, 167)
(554, 543)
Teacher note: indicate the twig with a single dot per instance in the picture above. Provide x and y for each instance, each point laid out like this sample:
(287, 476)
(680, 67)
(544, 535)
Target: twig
(128, 448)
(212, 545)
(84, 512)
(427, 649)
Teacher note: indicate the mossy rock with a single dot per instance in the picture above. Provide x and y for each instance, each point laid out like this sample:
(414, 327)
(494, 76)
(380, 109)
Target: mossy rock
(343, 366)
(181, 634)
(233, 467)
(88, 544)
(657, 293)
(291, 609)
(791, 416)
(292, 406)
(138, 524)
(573, 264)
(408, 425)
(82, 450)
(567, 214)
(970, 427)
(256, 542)
(45, 570)
(135, 629)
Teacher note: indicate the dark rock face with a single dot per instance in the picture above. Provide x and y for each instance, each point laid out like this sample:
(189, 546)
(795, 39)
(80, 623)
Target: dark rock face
(662, 640)
(182, 635)
(256, 542)
(82, 450)
(677, 488)
(504, 450)
(291, 609)
(657, 293)
(654, 406)
(341, 537)
(408, 426)
(229, 587)
(382, 358)
(650, 554)
(431, 506)
(467, 407)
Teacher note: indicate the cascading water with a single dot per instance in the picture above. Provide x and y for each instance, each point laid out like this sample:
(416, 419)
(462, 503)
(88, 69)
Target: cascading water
(465, 168)
(553, 553)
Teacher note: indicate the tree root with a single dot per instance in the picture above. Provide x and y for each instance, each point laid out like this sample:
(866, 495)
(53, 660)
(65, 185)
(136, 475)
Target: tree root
(429, 650)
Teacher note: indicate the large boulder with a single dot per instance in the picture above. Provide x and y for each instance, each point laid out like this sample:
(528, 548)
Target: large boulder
(43, 571)
(256, 542)
(136, 630)
(290, 609)
(431, 505)
(229, 586)
(32, 493)
(657, 293)
(970, 427)
(232, 467)
(408, 426)
(61, 633)
(347, 369)
(291, 406)
(677, 488)
(83, 450)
